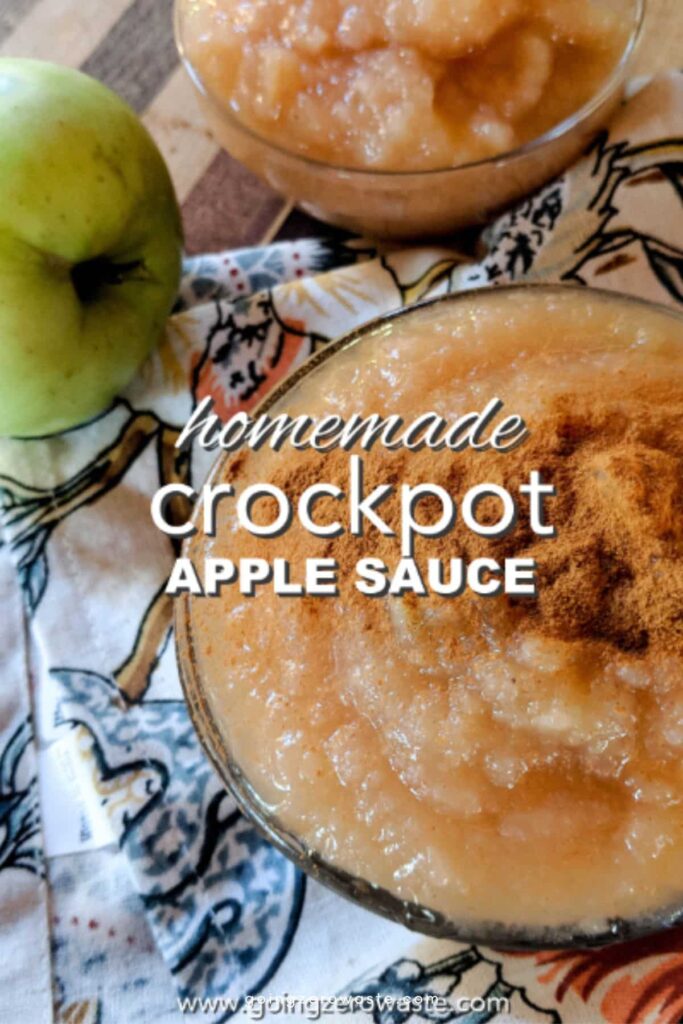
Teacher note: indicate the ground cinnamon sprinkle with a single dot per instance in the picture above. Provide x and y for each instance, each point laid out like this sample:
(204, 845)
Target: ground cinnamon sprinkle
(614, 571)
(493, 758)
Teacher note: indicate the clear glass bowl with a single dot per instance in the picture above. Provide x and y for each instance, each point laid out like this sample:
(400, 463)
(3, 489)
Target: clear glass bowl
(397, 204)
(373, 897)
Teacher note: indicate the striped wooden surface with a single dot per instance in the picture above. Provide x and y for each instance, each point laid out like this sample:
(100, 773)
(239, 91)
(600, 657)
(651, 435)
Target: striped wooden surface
(129, 45)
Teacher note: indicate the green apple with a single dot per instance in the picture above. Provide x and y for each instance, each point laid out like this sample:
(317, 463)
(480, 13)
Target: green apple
(90, 245)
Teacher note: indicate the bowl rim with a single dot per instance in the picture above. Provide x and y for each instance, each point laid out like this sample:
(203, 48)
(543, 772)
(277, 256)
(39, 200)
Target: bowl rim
(553, 134)
(369, 896)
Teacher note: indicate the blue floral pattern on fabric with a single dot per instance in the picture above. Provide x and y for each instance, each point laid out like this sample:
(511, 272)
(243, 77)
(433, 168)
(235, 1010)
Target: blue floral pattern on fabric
(20, 842)
(222, 902)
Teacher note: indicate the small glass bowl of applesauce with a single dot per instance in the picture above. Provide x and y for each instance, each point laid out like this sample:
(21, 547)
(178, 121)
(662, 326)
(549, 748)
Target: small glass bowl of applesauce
(494, 769)
(398, 119)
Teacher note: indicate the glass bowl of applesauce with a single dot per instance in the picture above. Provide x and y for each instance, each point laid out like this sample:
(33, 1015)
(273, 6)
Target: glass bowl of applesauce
(486, 764)
(399, 119)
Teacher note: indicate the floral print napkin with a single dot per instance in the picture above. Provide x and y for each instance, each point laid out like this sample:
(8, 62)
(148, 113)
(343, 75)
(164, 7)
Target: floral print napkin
(130, 884)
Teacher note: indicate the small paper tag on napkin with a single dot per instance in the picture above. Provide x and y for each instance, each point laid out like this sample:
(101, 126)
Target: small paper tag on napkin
(73, 817)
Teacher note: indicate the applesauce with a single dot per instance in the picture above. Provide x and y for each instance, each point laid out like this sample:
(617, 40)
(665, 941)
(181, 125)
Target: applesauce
(493, 759)
(397, 85)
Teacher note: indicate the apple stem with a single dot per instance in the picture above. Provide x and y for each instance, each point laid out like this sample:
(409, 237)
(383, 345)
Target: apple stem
(91, 276)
